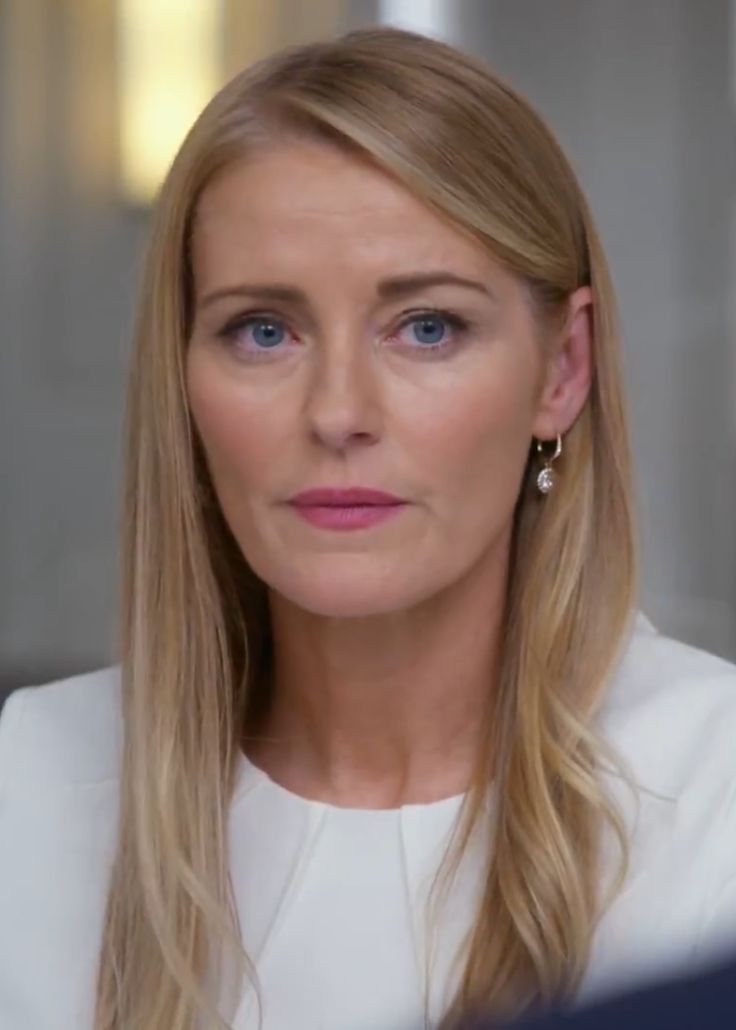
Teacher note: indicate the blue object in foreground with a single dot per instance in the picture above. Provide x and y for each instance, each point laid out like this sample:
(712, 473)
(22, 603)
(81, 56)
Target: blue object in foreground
(705, 1002)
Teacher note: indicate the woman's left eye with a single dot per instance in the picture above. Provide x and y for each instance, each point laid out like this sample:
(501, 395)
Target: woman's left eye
(432, 330)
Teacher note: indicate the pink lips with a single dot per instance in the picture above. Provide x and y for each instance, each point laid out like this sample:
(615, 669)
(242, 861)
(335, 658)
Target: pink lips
(350, 508)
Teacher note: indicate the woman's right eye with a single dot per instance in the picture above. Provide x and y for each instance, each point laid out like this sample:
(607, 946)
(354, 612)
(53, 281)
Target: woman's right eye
(255, 334)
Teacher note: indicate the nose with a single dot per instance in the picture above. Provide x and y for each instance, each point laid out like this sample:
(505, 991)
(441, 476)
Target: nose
(344, 394)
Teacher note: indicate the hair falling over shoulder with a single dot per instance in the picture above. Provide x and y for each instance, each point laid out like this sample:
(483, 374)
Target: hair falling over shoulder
(195, 634)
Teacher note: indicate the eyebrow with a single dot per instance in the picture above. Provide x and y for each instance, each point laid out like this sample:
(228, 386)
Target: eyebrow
(387, 289)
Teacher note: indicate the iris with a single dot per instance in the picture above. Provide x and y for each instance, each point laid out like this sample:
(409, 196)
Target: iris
(267, 334)
(429, 330)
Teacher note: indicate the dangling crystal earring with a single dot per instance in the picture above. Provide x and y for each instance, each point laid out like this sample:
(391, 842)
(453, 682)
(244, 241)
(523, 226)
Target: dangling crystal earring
(546, 478)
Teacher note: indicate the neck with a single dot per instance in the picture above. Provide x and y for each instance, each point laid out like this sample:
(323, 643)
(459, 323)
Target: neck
(383, 710)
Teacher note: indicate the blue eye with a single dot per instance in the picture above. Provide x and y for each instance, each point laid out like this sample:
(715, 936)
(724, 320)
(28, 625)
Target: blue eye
(254, 336)
(429, 329)
(266, 333)
(433, 331)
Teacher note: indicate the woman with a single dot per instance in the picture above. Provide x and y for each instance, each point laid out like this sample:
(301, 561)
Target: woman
(389, 740)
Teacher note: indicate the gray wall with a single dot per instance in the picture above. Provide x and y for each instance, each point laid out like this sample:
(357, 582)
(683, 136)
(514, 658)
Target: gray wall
(638, 93)
(68, 254)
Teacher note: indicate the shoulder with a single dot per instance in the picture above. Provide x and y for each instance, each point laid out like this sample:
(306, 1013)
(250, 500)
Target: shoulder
(67, 731)
(59, 813)
(670, 719)
(670, 711)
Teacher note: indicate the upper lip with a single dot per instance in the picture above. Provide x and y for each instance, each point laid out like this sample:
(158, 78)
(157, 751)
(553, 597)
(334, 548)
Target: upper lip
(339, 497)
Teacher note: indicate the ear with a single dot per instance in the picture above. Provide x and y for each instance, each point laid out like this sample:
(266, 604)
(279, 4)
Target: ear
(568, 370)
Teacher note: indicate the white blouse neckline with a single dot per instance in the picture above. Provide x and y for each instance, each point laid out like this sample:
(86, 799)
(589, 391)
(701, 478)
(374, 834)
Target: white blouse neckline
(332, 902)
(250, 776)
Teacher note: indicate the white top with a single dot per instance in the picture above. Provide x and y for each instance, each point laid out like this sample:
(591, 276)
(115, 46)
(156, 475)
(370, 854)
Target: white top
(330, 899)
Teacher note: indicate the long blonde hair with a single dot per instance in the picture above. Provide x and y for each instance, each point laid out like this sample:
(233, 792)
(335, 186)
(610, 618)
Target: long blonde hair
(196, 646)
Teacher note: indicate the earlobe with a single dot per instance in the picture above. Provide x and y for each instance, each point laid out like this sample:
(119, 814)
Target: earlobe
(570, 370)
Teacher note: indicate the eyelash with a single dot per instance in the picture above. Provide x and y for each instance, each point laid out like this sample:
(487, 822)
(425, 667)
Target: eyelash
(458, 325)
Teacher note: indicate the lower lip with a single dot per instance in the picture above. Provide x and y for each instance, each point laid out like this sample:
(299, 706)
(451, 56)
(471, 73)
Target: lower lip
(354, 516)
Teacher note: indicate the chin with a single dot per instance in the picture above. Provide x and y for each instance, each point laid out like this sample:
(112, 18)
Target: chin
(340, 607)
(346, 592)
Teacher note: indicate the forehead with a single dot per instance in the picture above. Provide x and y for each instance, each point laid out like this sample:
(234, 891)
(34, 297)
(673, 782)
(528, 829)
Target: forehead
(303, 204)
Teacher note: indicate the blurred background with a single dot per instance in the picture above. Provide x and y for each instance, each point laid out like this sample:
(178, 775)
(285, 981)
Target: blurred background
(93, 95)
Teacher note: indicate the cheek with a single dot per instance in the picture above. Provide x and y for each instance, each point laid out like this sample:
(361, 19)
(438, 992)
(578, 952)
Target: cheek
(237, 429)
(473, 446)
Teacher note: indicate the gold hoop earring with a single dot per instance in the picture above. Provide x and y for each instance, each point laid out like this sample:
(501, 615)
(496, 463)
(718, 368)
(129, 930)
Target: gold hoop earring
(546, 478)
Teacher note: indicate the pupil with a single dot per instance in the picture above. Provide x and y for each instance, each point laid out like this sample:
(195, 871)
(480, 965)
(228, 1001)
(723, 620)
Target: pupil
(267, 333)
(429, 330)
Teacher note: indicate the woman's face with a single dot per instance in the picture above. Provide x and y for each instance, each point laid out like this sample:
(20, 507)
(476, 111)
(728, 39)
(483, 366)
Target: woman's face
(346, 335)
